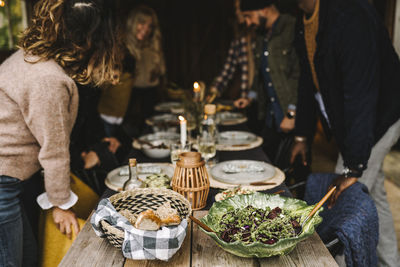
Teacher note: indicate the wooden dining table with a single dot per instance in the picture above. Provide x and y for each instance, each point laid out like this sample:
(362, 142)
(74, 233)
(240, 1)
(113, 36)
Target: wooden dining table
(198, 249)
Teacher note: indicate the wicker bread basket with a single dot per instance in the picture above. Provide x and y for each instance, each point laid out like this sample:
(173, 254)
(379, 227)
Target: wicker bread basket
(139, 200)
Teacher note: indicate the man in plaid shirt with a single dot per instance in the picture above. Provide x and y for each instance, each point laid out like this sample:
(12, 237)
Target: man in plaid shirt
(274, 81)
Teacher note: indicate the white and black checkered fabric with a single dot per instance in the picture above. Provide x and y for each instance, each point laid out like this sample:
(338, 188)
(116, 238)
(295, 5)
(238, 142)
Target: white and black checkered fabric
(140, 244)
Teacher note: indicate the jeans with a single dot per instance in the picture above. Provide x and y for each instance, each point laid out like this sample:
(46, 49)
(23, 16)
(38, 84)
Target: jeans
(17, 243)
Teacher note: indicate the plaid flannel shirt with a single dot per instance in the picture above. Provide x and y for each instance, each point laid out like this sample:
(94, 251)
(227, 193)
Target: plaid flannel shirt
(237, 58)
(139, 244)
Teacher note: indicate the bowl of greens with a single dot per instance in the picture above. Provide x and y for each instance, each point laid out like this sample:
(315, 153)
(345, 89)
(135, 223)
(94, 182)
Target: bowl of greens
(259, 225)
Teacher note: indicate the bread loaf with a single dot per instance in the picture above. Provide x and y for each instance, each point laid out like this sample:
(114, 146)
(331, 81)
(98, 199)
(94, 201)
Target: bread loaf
(148, 220)
(153, 220)
(168, 215)
(131, 217)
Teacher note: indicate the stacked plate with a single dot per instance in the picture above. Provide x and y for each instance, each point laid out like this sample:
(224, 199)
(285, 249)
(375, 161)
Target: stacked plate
(236, 138)
(242, 172)
(169, 107)
(163, 122)
(230, 118)
(248, 174)
(236, 141)
(161, 142)
(116, 178)
(159, 136)
(163, 118)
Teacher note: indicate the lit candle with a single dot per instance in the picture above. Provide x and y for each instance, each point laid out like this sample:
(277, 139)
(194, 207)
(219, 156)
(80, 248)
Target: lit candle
(183, 124)
(196, 90)
(202, 90)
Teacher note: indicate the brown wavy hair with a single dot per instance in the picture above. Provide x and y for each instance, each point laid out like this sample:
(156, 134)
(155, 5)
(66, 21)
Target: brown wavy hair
(82, 36)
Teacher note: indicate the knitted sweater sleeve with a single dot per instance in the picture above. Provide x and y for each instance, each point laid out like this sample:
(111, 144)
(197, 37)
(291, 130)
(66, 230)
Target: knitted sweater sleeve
(49, 109)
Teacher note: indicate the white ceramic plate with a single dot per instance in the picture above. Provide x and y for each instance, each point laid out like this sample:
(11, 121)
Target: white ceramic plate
(232, 192)
(115, 179)
(167, 106)
(165, 118)
(236, 138)
(157, 152)
(242, 172)
(166, 137)
(161, 136)
(231, 118)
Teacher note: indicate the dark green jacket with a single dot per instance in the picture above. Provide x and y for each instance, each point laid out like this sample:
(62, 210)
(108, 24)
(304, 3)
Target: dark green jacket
(283, 63)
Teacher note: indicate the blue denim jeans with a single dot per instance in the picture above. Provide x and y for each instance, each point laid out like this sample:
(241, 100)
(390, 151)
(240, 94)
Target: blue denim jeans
(17, 243)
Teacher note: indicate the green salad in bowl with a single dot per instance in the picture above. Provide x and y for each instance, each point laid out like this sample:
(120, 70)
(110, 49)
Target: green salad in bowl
(260, 225)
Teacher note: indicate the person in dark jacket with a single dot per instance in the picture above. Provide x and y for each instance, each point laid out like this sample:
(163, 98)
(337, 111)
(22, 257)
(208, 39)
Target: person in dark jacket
(276, 71)
(350, 76)
(93, 153)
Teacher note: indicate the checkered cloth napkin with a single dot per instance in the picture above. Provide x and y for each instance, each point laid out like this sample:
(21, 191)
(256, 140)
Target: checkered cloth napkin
(140, 244)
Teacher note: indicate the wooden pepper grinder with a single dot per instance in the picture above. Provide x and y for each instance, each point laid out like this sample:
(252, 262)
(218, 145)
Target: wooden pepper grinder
(191, 179)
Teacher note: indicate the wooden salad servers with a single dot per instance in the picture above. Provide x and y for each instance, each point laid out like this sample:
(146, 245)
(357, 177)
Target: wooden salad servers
(317, 207)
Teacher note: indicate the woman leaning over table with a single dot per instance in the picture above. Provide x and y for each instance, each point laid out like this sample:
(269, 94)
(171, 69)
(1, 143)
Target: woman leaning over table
(68, 41)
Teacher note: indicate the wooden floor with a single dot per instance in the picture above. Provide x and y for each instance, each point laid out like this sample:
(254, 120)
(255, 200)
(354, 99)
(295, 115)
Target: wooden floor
(324, 156)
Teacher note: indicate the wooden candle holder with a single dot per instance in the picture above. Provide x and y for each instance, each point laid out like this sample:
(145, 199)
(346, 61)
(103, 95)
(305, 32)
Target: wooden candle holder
(191, 179)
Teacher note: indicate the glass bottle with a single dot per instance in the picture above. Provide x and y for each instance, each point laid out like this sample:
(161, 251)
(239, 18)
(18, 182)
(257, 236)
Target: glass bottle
(209, 123)
(132, 181)
(208, 132)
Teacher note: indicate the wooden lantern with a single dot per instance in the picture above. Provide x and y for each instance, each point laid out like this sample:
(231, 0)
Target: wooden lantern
(191, 179)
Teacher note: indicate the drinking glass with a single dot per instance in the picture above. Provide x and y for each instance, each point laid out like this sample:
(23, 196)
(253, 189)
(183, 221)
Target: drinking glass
(207, 146)
(191, 123)
(177, 149)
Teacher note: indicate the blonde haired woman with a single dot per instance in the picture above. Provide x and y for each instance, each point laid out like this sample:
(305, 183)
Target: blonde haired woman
(67, 42)
(143, 41)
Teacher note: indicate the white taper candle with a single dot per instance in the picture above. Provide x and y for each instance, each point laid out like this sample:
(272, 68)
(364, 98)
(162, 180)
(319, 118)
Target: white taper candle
(183, 124)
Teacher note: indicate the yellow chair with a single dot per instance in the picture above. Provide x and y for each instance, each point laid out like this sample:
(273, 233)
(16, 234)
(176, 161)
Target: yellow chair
(53, 244)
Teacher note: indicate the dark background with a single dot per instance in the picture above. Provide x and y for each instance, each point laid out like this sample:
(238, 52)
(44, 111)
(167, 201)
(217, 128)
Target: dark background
(196, 34)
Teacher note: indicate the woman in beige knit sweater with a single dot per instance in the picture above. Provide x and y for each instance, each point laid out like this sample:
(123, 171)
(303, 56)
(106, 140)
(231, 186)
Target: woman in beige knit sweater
(68, 41)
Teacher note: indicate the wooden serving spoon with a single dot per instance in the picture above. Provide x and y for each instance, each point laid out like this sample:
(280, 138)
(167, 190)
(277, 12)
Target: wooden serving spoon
(316, 208)
(202, 225)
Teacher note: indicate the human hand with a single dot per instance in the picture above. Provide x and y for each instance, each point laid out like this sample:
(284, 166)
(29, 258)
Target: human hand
(212, 95)
(210, 98)
(299, 148)
(114, 144)
(64, 219)
(241, 103)
(287, 124)
(341, 183)
(90, 159)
